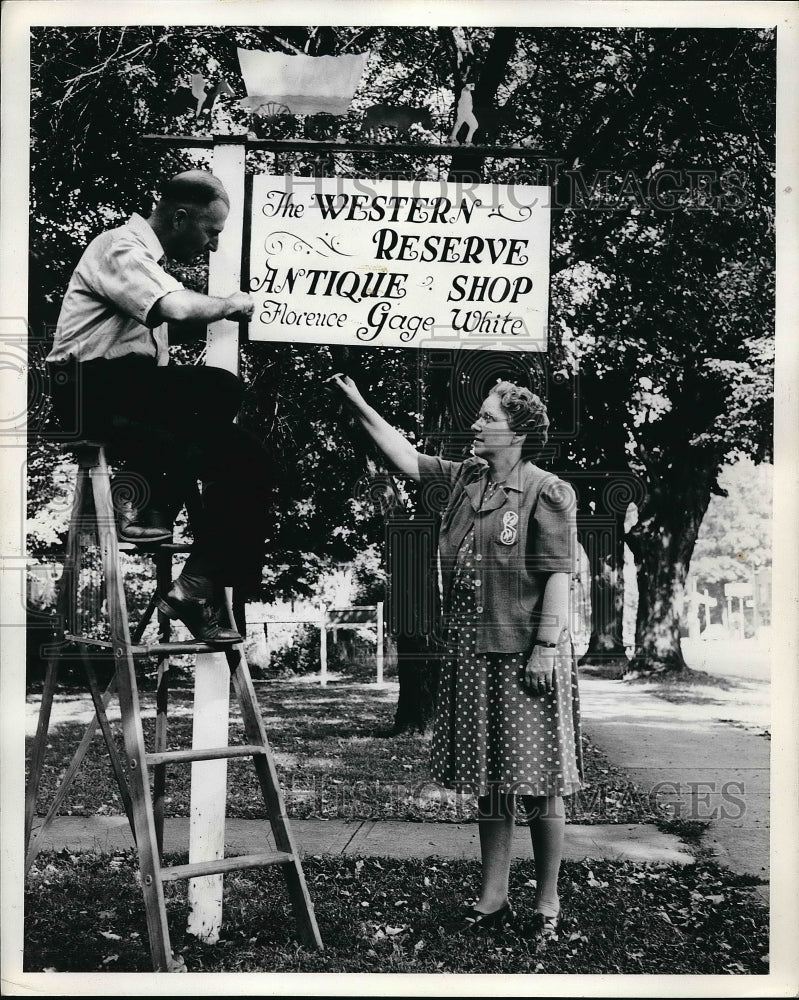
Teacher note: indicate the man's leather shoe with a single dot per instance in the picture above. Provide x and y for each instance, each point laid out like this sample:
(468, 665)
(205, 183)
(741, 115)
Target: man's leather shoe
(150, 526)
(204, 619)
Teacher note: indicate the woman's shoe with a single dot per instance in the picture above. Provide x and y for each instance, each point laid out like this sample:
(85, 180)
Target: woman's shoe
(545, 927)
(472, 920)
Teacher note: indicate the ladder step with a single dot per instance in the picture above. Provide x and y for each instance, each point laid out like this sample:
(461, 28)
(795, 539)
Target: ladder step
(223, 865)
(152, 648)
(211, 753)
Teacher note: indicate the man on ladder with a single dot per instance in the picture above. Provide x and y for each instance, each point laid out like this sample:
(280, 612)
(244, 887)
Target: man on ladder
(111, 379)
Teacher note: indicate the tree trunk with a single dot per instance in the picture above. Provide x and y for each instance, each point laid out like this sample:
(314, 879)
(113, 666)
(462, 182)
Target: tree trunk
(413, 614)
(605, 551)
(662, 542)
(417, 672)
(661, 581)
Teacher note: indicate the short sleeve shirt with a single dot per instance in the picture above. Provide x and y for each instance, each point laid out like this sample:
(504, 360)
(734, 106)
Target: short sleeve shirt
(106, 309)
(523, 531)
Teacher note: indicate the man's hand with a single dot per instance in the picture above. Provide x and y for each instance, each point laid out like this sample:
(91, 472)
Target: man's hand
(539, 674)
(241, 306)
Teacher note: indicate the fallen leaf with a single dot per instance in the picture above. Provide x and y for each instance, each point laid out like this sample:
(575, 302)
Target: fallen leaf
(110, 936)
(111, 958)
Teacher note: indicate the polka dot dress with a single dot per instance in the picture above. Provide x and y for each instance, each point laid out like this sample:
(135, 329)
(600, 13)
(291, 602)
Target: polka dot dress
(490, 730)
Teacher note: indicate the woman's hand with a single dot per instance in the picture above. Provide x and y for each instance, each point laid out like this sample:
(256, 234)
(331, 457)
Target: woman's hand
(398, 450)
(348, 389)
(539, 674)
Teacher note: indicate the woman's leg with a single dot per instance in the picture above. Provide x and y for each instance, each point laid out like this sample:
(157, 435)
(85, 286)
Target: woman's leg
(495, 817)
(547, 819)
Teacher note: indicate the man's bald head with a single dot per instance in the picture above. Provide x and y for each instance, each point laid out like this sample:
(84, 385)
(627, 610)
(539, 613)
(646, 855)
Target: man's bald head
(193, 187)
(190, 214)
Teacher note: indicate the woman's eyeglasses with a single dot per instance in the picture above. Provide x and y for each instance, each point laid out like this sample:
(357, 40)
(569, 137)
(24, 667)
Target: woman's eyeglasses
(489, 418)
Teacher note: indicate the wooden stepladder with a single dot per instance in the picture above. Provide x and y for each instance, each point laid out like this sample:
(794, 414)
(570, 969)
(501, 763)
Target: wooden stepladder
(93, 515)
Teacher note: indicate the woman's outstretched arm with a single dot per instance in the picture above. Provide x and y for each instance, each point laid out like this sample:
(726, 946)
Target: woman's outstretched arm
(397, 448)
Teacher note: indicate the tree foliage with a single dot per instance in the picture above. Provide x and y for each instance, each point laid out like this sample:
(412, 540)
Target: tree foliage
(661, 328)
(736, 533)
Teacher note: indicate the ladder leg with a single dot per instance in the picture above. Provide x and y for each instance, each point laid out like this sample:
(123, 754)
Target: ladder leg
(69, 777)
(159, 770)
(138, 782)
(301, 902)
(138, 632)
(65, 615)
(38, 749)
(163, 570)
(108, 736)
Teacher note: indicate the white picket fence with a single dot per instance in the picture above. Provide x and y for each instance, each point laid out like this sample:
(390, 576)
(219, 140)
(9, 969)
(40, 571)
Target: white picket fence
(328, 620)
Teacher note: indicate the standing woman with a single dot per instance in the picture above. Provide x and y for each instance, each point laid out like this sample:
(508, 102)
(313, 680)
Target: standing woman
(507, 713)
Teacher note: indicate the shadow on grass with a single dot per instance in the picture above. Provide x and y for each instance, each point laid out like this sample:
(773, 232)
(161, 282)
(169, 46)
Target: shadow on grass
(665, 679)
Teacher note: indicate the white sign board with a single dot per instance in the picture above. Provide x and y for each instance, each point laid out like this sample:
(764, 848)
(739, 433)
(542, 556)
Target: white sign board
(399, 263)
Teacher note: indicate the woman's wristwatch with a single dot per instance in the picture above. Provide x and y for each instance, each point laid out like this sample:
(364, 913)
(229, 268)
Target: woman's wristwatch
(546, 645)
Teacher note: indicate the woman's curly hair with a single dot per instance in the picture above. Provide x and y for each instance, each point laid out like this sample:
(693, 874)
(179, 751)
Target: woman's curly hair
(526, 415)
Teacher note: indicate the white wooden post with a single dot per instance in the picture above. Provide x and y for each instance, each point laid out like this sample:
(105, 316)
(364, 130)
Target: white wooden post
(212, 675)
(323, 645)
(693, 611)
(379, 650)
(755, 604)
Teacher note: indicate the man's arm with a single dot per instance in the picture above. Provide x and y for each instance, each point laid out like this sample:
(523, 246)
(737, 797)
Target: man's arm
(185, 306)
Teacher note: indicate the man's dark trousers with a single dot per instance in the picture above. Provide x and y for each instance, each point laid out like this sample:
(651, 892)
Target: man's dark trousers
(174, 425)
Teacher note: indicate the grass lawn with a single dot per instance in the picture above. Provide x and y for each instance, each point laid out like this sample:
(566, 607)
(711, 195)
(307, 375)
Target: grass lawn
(384, 915)
(334, 758)
(377, 915)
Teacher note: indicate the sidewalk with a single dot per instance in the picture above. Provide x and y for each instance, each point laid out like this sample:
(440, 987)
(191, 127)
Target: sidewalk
(707, 757)
(373, 838)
